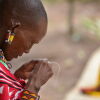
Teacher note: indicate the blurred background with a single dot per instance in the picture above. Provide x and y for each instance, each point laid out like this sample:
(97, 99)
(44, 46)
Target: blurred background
(73, 34)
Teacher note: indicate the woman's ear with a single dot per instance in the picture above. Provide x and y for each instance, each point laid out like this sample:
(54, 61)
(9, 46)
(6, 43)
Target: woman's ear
(15, 23)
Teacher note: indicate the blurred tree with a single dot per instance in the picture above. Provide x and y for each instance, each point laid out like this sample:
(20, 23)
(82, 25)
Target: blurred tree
(71, 17)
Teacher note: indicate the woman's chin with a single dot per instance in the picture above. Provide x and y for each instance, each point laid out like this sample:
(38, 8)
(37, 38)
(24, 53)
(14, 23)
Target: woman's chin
(10, 57)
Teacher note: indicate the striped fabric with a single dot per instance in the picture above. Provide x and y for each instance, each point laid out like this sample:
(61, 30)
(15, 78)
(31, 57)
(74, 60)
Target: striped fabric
(11, 88)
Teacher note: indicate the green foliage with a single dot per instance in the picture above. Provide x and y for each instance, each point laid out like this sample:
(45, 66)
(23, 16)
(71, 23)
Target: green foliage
(93, 26)
(54, 1)
(84, 1)
(88, 0)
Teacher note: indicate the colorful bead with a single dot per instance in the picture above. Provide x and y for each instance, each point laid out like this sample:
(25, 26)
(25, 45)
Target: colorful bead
(25, 97)
(29, 96)
(10, 37)
(2, 56)
(31, 99)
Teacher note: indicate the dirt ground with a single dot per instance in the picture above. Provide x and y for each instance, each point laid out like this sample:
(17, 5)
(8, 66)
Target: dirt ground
(57, 46)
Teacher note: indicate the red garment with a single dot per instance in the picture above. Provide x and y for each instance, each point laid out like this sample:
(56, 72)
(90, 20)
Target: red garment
(11, 88)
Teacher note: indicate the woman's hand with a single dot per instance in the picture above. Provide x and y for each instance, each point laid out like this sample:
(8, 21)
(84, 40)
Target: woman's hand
(41, 74)
(39, 71)
(25, 70)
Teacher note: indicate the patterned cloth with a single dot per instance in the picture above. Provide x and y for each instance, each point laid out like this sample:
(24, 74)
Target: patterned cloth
(11, 88)
(27, 95)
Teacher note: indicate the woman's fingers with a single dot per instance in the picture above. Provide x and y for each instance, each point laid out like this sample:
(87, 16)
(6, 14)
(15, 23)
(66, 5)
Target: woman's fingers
(40, 71)
(28, 67)
(43, 74)
(25, 70)
(40, 75)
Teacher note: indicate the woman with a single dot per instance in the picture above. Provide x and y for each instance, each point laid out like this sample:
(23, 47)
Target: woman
(23, 23)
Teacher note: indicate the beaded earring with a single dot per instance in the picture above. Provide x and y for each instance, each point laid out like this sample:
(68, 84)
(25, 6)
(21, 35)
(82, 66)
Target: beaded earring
(11, 34)
(8, 40)
(10, 37)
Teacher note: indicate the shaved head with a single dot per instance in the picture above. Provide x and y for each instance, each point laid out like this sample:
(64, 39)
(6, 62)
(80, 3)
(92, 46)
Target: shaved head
(29, 13)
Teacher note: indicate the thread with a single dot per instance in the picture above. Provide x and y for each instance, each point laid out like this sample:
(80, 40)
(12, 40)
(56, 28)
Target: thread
(49, 62)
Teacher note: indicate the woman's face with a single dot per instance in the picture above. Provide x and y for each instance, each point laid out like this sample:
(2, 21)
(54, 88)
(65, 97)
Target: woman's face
(33, 24)
(23, 41)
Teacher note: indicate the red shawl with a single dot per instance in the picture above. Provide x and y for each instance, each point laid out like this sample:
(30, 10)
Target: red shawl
(11, 88)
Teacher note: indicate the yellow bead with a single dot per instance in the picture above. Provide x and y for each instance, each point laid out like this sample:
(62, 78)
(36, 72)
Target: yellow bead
(26, 92)
(24, 97)
(11, 38)
(31, 99)
(33, 95)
